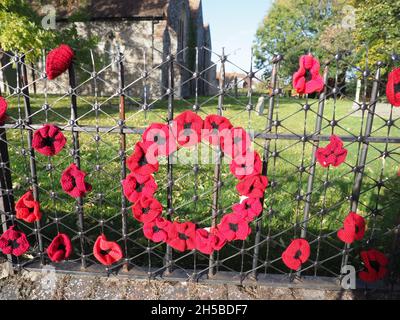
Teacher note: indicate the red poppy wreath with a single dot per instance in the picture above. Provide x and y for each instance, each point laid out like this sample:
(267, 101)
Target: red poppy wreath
(187, 130)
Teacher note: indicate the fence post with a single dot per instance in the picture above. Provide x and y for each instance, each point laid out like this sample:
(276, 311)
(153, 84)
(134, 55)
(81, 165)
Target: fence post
(311, 177)
(274, 92)
(76, 157)
(22, 83)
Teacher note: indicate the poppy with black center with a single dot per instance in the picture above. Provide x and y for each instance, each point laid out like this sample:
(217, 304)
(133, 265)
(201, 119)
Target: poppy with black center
(147, 209)
(296, 254)
(375, 263)
(187, 128)
(182, 236)
(393, 87)
(156, 230)
(48, 140)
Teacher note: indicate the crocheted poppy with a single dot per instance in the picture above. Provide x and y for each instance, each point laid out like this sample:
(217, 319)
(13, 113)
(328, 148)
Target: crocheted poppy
(234, 227)
(296, 254)
(246, 165)
(143, 161)
(58, 61)
(252, 187)
(353, 228)
(136, 186)
(393, 88)
(73, 182)
(27, 208)
(375, 262)
(60, 248)
(157, 230)
(307, 79)
(107, 252)
(3, 110)
(182, 236)
(48, 140)
(249, 208)
(219, 240)
(206, 242)
(236, 143)
(215, 128)
(187, 128)
(147, 209)
(333, 154)
(159, 135)
(13, 242)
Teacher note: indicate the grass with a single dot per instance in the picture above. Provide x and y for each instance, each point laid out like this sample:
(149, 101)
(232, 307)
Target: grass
(282, 211)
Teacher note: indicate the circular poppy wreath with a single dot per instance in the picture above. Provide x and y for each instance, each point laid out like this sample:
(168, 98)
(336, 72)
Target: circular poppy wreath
(187, 130)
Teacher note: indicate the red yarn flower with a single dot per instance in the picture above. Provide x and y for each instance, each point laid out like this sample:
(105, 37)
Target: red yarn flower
(375, 262)
(159, 135)
(157, 230)
(234, 227)
(353, 228)
(296, 254)
(307, 79)
(48, 140)
(333, 154)
(252, 187)
(27, 208)
(60, 248)
(73, 182)
(246, 165)
(216, 127)
(393, 88)
(147, 209)
(58, 61)
(3, 110)
(136, 186)
(14, 242)
(249, 208)
(182, 236)
(107, 252)
(236, 143)
(143, 161)
(187, 128)
(207, 242)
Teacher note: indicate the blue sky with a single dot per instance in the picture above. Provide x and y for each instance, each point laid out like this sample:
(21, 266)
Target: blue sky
(233, 26)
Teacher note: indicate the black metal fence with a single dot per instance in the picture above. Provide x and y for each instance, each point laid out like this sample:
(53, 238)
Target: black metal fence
(302, 200)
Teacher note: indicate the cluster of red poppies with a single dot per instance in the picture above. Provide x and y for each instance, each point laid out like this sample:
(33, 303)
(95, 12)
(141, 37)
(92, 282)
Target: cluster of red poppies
(187, 130)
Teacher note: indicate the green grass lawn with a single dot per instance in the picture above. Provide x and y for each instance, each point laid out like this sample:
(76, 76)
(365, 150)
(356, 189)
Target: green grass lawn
(282, 210)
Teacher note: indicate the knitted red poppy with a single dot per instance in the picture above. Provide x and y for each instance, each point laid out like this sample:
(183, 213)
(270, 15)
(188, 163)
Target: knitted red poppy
(182, 236)
(207, 242)
(60, 248)
(307, 79)
(136, 186)
(73, 182)
(3, 110)
(58, 61)
(143, 161)
(48, 140)
(147, 209)
(252, 187)
(296, 254)
(107, 252)
(249, 208)
(234, 227)
(353, 228)
(27, 208)
(159, 135)
(215, 128)
(187, 128)
(236, 143)
(157, 230)
(14, 242)
(333, 154)
(393, 88)
(375, 262)
(246, 165)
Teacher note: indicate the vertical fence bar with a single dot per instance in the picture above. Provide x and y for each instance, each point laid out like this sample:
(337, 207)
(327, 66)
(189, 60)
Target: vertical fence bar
(23, 87)
(170, 177)
(122, 152)
(311, 177)
(77, 159)
(217, 169)
(358, 177)
(274, 92)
